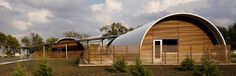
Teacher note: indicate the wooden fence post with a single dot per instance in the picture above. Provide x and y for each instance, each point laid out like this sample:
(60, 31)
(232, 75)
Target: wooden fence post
(229, 54)
(88, 48)
(44, 52)
(101, 48)
(164, 53)
(66, 51)
(126, 55)
(191, 48)
(178, 55)
(113, 53)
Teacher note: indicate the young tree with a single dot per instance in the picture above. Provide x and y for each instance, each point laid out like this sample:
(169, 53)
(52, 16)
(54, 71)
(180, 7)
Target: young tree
(140, 70)
(19, 71)
(207, 68)
(114, 29)
(120, 65)
(43, 69)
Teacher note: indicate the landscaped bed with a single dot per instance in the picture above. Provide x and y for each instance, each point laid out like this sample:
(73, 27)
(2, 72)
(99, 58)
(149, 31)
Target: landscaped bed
(67, 67)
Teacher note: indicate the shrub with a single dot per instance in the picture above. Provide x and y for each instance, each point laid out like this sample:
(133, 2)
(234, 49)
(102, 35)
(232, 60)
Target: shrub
(140, 70)
(207, 68)
(187, 64)
(19, 71)
(77, 61)
(120, 65)
(44, 69)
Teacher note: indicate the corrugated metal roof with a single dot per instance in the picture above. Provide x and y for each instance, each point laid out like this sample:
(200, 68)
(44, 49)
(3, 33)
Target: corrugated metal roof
(136, 36)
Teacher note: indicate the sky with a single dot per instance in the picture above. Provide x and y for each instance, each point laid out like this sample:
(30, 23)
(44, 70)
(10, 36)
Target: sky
(51, 18)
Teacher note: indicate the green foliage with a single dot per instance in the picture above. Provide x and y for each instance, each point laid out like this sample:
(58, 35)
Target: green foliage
(33, 40)
(25, 40)
(19, 71)
(120, 65)
(229, 34)
(51, 40)
(74, 34)
(77, 61)
(2, 38)
(187, 64)
(140, 70)
(43, 69)
(114, 29)
(207, 68)
(11, 45)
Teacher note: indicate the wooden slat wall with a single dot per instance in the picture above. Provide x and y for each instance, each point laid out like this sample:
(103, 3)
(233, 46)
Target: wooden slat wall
(187, 34)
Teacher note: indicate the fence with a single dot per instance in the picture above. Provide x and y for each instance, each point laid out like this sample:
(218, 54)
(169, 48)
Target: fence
(169, 54)
(58, 54)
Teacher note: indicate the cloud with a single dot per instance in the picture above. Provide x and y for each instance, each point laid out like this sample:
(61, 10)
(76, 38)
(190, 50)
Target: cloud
(5, 4)
(21, 25)
(223, 21)
(156, 6)
(34, 17)
(40, 16)
(103, 12)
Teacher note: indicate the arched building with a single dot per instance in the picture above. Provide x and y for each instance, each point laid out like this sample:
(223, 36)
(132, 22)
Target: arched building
(173, 37)
(73, 47)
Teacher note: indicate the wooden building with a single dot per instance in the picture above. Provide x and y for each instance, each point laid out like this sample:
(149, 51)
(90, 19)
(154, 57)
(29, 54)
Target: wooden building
(172, 38)
(66, 47)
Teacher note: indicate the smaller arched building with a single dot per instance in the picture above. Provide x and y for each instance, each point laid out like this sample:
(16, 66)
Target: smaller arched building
(73, 47)
(172, 38)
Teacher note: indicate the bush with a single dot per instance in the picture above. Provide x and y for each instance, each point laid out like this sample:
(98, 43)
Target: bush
(207, 68)
(77, 61)
(120, 65)
(140, 70)
(187, 64)
(19, 71)
(44, 69)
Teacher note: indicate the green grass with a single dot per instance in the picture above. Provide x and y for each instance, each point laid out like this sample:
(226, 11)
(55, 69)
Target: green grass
(14, 58)
(66, 67)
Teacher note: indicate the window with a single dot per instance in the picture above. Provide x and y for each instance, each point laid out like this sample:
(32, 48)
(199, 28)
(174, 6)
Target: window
(170, 42)
(170, 45)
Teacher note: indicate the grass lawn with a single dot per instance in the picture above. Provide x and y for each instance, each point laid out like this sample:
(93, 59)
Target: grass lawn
(63, 67)
(7, 59)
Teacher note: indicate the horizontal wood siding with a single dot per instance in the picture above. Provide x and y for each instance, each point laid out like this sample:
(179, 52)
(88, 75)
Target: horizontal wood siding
(186, 33)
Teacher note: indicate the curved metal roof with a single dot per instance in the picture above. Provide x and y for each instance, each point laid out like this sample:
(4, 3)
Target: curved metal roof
(136, 36)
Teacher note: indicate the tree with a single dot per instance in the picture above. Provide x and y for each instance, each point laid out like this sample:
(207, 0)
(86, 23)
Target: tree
(25, 40)
(72, 34)
(207, 68)
(2, 38)
(229, 35)
(43, 69)
(2, 41)
(51, 40)
(223, 31)
(12, 45)
(20, 71)
(140, 70)
(34, 41)
(120, 65)
(114, 29)
(232, 36)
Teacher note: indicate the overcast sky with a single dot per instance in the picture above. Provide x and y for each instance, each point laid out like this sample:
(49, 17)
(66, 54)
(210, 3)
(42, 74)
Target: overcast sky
(50, 18)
